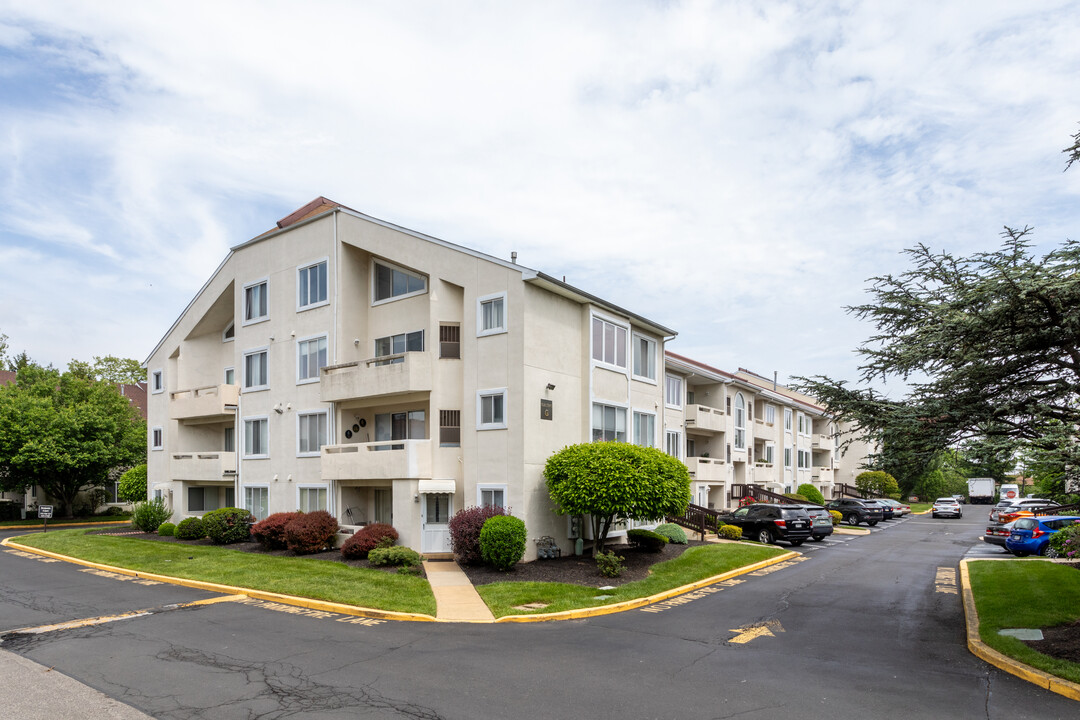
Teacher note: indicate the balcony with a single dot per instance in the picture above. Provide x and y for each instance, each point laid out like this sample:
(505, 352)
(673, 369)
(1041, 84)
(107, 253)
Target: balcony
(822, 476)
(398, 374)
(391, 460)
(706, 419)
(823, 442)
(211, 466)
(707, 469)
(210, 403)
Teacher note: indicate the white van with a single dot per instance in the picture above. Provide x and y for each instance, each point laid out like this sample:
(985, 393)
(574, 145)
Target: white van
(1009, 492)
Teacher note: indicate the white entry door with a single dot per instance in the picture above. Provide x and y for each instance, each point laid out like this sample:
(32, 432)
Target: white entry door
(435, 514)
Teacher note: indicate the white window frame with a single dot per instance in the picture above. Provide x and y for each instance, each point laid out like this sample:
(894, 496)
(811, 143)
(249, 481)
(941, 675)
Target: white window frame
(673, 437)
(157, 438)
(313, 486)
(627, 428)
(652, 344)
(770, 453)
(615, 348)
(311, 413)
(244, 303)
(244, 380)
(770, 414)
(787, 419)
(787, 458)
(157, 382)
(395, 298)
(740, 430)
(680, 400)
(480, 302)
(318, 371)
(225, 333)
(652, 435)
(492, 392)
(244, 437)
(300, 305)
(492, 487)
(804, 461)
(248, 505)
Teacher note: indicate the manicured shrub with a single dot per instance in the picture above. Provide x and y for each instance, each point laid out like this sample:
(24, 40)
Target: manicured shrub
(166, 529)
(310, 532)
(132, 486)
(836, 516)
(270, 533)
(672, 532)
(730, 532)
(367, 539)
(227, 525)
(502, 541)
(811, 493)
(397, 555)
(113, 510)
(190, 529)
(797, 496)
(646, 540)
(465, 528)
(1066, 542)
(609, 564)
(149, 515)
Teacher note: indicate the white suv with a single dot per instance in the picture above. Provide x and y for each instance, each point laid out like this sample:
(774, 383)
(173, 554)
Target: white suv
(947, 506)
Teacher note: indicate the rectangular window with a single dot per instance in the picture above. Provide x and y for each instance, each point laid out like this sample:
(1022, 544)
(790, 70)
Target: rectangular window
(450, 341)
(256, 370)
(398, 345)
(311, 499)
(787, 457)
(770, 453)
(644, 429)
(608, 342)
(230, 376)
(727, 404)
(311, 286)
(770, 414)
(437, 506)
(230, 439)
(256, 437)
(644, 357)
(804, 459)
(673, 391)
(491, 495)
(196, 499)
(411, 425)
(608, 423)
(673, 443)
(256, 302)
(311, 432)
(157, 382)
(257, 501)
(491, 314)
(491, 409)
(157, 439)
(392, 282)
(384, 506)
(787, 419)
(311, 357)
(449, 428)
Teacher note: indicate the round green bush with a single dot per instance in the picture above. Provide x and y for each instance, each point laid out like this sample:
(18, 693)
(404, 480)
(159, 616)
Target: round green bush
(396, 555)
(797, 496)
(132, 485)
(730, 532)
(811, 493)
(166, 529)
(190, 529)
(672, 532)
(502, 541)
(227, 525)
(836, 516)
(646, 540)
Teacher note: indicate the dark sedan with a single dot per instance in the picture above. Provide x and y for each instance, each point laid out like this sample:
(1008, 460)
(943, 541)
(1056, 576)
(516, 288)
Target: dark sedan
(997, 535)
(856, 511)
(768, 522)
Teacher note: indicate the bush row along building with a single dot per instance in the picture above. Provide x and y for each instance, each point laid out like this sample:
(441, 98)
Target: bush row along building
(343, 363)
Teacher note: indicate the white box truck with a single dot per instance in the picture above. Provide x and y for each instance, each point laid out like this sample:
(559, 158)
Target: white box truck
(981, 491)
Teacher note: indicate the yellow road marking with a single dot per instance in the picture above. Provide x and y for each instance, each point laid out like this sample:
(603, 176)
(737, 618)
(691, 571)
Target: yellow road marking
(30, 556)
(752, 632)
(87, 622)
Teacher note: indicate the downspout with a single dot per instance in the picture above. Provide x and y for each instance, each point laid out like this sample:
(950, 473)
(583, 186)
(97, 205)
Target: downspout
(237, 444)
(331, 429)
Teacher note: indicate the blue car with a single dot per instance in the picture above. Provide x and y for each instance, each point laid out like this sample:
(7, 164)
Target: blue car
(1031, 535)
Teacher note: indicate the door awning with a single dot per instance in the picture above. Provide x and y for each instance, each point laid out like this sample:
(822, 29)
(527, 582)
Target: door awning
(438, 486)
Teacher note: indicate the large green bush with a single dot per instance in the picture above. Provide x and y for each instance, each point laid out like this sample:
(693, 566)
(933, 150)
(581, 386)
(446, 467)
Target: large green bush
(877, 483)
(646, 540)
(166, 530)
(465, 528)
(502, 541)
(396, 555)
(1066, 542)
(227, 525)
(811, 493)
(673, 533)
(149, 514)
(190, 529)
(730, 532)
(132, 486)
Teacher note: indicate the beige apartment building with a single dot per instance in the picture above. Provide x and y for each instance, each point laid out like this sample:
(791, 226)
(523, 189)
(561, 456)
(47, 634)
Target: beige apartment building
(340, 362)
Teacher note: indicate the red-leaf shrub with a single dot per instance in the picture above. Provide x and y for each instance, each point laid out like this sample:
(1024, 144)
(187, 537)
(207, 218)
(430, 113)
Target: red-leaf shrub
(270, 533)
(310, 532)
(465, 532)
(367, 539)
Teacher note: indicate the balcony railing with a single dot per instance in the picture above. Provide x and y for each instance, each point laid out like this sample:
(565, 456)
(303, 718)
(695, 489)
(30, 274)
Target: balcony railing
(390, 460)
(207, 403)
(207, 466)
(377, 377)
(705, 418)
(707, 469)
(823, 441)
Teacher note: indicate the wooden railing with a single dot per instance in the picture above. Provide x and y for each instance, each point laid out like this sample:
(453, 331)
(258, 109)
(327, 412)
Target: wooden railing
(843, 490)
(758, 494)
(1072, 509)
(697, 518)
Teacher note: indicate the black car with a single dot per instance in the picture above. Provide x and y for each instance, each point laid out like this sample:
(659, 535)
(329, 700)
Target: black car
(856, 511)
(886, 509)
(768, 522)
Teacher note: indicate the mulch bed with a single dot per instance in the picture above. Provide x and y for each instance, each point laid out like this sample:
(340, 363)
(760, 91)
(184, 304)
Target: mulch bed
(1061, 642)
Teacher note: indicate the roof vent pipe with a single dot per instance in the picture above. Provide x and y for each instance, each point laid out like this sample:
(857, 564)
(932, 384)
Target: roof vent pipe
(774, 374)
(513, 256)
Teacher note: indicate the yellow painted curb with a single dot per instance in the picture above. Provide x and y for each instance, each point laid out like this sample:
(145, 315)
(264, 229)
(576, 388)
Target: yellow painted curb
(999, 660)
(851, 531)
(641, 602)
(309, 603)
(70, 524)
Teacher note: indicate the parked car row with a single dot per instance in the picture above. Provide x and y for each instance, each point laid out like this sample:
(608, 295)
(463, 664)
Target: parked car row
(1009, 510)
(796, 523)
(1031, 535)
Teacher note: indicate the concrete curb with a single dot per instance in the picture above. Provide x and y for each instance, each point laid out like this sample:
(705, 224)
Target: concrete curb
(999, 660)
(851, 531)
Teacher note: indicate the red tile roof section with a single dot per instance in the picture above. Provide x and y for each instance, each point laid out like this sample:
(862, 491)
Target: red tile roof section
(6, 376)
(702, 365)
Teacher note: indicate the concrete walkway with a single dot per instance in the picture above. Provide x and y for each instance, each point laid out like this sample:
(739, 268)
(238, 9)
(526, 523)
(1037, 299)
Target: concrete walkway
(455, 597)
(34, 692)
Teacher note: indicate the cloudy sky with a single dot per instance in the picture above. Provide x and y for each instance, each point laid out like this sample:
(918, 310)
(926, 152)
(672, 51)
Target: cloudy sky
(733, 170)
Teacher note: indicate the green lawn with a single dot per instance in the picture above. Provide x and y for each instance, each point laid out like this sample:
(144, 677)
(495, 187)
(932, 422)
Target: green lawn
(695, 564)
(318, 579)
(920, 507)
(1025, 594)
(32, 522)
